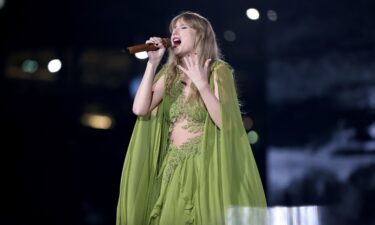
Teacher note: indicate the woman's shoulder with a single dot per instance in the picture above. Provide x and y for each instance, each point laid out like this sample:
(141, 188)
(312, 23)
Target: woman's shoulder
(163, 68)
(220, 64)
(162, 72)
(221, 71)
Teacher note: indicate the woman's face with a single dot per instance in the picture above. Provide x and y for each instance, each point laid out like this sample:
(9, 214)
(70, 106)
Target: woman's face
(183, 38)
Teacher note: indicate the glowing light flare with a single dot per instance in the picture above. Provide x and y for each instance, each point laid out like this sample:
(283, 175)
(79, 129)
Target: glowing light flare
(253, 137)
(97, 121)
(141, 55)
(371, 130)
(252, 14)
(134, 84)
(229, 35)
(30, 66)
(272, 15)
(54, 66)
(247, 122)
(2, 4)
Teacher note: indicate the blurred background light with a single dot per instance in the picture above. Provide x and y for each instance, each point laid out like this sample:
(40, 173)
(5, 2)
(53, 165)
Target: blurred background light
(97, 121)
(30, 66)
(229, 35)
(253, 137)
(54, 65)
(2, 4)
(133, 85)
(372, 98)
(141, 55)
(272, 15)
(248, 122)
(371, 130)
(252, 14)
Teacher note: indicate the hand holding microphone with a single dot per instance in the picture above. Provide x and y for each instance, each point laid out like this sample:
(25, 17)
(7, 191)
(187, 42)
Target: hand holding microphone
(153, 44)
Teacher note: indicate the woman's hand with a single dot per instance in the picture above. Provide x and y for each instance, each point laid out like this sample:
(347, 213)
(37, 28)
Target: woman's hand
(155, 56)
(197, 74)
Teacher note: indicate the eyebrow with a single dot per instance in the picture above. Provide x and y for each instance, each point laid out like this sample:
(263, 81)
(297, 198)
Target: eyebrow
(181, 25)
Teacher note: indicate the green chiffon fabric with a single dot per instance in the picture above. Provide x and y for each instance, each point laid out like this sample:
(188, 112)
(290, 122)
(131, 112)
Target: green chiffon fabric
(161, 185)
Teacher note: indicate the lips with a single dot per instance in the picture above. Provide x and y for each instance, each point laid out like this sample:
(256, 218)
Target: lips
(176, 41)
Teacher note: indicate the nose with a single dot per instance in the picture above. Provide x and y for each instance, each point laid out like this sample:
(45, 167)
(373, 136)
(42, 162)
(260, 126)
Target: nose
(175, 30)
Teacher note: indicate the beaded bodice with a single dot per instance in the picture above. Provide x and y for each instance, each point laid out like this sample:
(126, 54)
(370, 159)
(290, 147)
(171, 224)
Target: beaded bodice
(179, 108)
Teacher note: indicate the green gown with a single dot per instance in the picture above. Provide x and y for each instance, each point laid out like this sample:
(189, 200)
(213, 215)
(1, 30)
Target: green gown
(201, 180)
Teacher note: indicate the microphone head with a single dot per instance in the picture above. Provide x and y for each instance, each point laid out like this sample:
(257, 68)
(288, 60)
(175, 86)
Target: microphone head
(167, 42)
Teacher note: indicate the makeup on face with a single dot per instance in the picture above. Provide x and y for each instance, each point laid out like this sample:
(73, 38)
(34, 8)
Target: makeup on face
(183, 38)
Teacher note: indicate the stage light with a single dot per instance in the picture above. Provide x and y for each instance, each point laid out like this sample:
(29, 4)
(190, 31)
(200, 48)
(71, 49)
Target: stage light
(276, 215)
(252, 14)
(30, 66)
(141, 55)
(97, 121)
(54, 65)
(229, 35)
(2, 4)
(272, 15)
(253, 137)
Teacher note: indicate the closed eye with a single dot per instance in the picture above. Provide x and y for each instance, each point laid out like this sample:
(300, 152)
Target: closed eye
(182, 27)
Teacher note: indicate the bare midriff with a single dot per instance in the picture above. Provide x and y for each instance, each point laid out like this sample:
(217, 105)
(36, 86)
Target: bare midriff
(180, 135)
(186, 118)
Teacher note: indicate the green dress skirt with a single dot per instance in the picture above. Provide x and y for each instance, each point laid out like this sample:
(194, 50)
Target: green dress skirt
(179, 179)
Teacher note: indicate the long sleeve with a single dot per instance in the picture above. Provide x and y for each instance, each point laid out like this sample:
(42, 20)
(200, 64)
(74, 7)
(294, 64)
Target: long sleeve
(229, 174)
(138, 187)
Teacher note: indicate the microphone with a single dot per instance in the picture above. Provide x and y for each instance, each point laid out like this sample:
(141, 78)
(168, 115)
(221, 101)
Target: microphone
(149, 47)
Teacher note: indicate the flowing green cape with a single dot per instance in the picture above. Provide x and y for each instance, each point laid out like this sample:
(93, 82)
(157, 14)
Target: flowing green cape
(228, 174)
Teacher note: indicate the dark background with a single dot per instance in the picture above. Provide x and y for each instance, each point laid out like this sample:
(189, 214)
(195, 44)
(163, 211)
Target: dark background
(306, 79)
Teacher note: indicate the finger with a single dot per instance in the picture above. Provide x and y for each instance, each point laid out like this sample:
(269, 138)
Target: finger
(191, 61)
(158, 41)
(187, 62)
(196, 59)
(183, 69)
(151, 40)
(155, 40)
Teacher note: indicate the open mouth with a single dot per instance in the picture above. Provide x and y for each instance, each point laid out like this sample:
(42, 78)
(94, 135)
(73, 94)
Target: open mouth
(176, 42)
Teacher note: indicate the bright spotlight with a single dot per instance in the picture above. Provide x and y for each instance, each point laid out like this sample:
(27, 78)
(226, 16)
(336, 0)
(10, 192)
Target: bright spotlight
(141, 55)
(54, 65)
(252, 14)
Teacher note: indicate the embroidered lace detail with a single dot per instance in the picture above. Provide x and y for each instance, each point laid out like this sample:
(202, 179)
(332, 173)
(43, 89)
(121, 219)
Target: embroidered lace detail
(195, 116)
(178, 154)
(191, 111)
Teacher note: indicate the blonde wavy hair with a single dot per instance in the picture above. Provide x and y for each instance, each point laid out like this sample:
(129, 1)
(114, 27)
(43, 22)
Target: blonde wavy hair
(205, 45)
